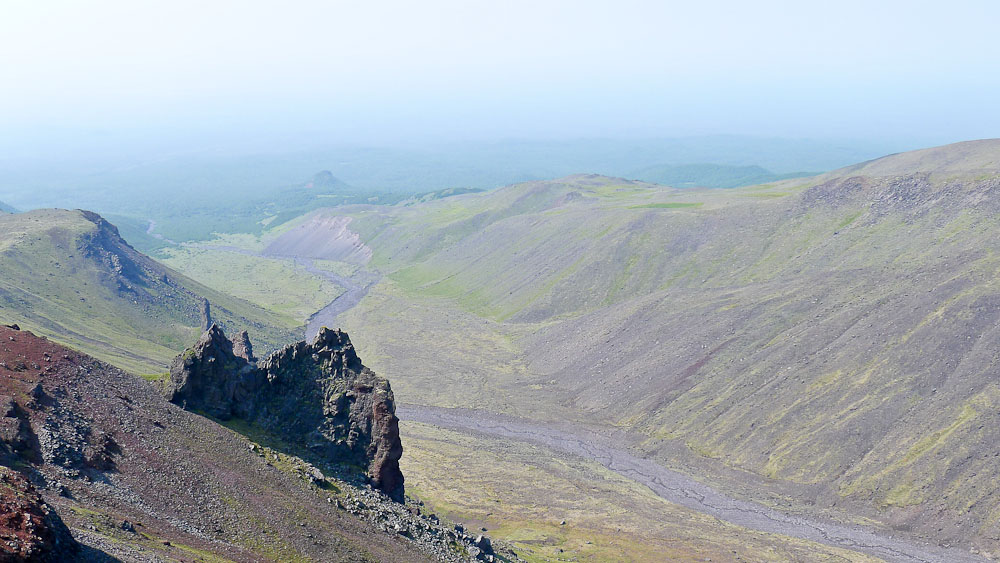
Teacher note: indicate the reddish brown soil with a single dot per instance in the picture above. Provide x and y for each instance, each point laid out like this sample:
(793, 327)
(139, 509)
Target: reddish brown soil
(105, 449)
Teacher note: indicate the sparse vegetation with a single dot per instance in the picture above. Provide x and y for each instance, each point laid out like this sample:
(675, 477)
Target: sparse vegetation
(672, 205)
(274, 284)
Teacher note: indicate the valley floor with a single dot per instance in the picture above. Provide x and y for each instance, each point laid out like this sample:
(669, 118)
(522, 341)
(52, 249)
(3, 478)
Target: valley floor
(526, 475)
(759, 527)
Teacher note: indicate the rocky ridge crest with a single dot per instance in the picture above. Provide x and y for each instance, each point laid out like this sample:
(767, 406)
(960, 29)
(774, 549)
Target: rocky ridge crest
(317, 396)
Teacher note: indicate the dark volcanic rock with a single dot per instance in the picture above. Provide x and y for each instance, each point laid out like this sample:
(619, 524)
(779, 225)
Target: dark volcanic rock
(318, 396)
(103, 447)
(206, 314)
(29, 529)
(242, 347)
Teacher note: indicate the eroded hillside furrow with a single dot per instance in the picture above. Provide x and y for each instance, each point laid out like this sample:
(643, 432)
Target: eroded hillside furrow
(680, 489)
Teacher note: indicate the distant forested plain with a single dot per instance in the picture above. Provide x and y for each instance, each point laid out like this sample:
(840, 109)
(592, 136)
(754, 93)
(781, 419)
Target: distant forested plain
(190, 197)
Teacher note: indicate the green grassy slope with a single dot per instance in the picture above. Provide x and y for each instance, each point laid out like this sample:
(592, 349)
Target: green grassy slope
(836, 334)
(280, 286)
(68, 275)
(711, 175)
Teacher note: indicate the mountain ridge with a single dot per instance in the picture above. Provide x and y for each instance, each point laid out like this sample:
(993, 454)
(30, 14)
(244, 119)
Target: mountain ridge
(966, 157)
(70, 275)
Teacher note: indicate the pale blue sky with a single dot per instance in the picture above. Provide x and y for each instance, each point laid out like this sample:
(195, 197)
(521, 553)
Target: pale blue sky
(211, 71)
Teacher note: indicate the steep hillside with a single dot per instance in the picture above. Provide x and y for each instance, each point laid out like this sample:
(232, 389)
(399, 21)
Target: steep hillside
(138, 479)
(31, 530)
(832, 336)
(69, 275)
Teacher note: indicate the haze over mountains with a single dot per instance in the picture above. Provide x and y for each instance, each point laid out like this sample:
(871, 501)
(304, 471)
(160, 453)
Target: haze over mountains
(188, 195)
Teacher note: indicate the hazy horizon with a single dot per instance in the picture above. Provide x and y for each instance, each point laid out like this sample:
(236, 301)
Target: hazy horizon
(115, 78)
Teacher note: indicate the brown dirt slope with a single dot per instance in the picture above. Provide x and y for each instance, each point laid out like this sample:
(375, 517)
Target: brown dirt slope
(139, 478)
(29, 529)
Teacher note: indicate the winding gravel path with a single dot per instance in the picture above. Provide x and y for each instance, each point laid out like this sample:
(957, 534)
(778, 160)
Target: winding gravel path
(356, 286)
(683, 490)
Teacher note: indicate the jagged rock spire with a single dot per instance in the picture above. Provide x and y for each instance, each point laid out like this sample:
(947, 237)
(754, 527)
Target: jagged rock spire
(318, 396)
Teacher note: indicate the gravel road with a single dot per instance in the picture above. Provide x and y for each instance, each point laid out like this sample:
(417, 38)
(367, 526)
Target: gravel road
(683, 490)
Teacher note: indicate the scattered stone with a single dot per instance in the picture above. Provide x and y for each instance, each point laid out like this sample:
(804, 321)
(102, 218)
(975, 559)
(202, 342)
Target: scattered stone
(483, 543)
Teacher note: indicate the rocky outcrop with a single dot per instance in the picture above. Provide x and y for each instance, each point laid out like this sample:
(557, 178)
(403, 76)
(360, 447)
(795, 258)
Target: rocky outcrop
(318, 396)
(206, 314)
(29, 529)
(134, 477)
(242, 347)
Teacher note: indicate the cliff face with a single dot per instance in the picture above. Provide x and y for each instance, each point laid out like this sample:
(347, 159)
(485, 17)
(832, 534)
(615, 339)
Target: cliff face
(315, 395)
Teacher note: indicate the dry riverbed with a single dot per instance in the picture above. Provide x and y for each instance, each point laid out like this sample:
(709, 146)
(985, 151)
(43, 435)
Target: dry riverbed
(679, 489)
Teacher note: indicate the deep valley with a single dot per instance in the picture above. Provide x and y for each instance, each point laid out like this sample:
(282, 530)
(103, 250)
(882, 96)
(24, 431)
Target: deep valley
(589, 368)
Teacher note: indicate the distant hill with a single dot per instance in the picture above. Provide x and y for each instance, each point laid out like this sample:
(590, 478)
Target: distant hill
(833, 339)
(325, 180)
(4, 208)
(970, 158)
(711, 175)
(70, 276)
